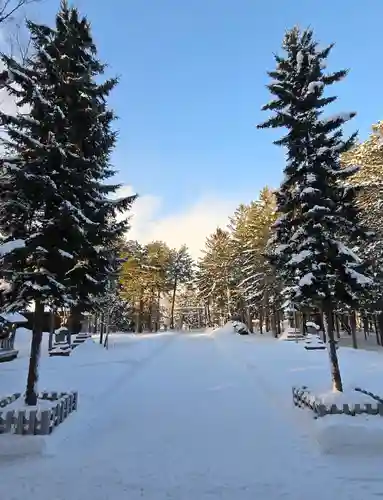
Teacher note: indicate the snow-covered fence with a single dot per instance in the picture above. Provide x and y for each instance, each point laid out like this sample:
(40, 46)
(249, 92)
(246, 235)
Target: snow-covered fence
(371, 394)
(36, 421)
(303, 398)
(9, 399)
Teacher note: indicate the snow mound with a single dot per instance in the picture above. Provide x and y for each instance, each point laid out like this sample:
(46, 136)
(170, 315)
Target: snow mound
(14, 446)
(345, 435)
(312, 325)
(226, 330)
(231, 327)
(14, 317)
(19, 404)
(349, 396)
(89, 348)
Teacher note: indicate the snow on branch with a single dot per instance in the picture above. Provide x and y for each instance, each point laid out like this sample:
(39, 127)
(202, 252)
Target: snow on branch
(10, 246)
(340, 117)
(361, 279)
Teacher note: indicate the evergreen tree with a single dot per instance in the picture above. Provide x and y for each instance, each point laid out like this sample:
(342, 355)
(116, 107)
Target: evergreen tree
(159, 260)
(37, 220)
(215, 277)
(316, 204)
(250, 228)
(144, 279)
(180, 272)
(57, 221)
(83, 101)
(189, 307)
(369, 155)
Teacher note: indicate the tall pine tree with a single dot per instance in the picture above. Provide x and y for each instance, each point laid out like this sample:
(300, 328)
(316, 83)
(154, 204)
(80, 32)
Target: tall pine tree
(58, 223)
(316, 204)
(180, 272)
(37, 221)
(83, 101)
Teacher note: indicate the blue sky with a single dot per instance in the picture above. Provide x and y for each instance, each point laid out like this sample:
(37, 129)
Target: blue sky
(193, 75)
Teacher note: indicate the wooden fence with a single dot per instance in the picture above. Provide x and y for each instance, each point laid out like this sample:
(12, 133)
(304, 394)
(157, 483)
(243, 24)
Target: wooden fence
(35, 421)
(304, 399)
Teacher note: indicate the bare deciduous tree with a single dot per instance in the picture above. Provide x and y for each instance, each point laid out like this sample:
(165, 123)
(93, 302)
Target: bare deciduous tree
(8, 8)
(12, 21)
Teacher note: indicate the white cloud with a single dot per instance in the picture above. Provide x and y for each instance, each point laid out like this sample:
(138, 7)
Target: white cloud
(189, 226)
(7, 102)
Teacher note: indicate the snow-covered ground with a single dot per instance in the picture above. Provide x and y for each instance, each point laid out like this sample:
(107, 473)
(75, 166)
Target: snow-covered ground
(187, 416)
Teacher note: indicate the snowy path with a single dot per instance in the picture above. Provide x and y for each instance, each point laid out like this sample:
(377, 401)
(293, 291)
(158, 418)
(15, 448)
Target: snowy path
(202, 417)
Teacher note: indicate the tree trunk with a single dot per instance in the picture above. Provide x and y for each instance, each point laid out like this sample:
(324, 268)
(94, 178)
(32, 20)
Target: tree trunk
(102, 328)
(267, 319)
(173, 303)
(353, 329)
(249, 320)
(208, 313)
(323, 326)
(33, 370)
(376, 328)
(151, 308)
(140, 315)
(228, 296)
(158, 312)
(335, 372)
(337, 326)
(345, 324)
(274, 322)
(366, 326)
(380, 325)
(106, 331)
(51, 329)
(261, 320)
(302, 325)
(278, 323)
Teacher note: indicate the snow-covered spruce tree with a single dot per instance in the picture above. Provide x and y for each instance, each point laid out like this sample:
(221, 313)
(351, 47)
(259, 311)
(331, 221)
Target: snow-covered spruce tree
(369, 155)
(250, 228)
(55, 207)
(315, 201)
(180, 272)
(37, 220)
(216, 278)
(88, 124)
